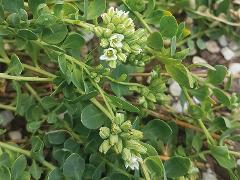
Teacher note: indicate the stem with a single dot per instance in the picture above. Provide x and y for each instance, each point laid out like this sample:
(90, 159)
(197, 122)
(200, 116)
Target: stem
(7, 107)
(33, 92)
(26, 153)
(21, 78)
(124, 83)
(32, 68)
(207, 134)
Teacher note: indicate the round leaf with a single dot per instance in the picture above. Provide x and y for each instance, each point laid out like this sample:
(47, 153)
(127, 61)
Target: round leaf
(155, 41)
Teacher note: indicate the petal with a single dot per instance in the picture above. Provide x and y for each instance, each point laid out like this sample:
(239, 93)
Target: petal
(103, 57)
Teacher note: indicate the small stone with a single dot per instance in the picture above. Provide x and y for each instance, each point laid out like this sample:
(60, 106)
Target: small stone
(197, 60)
(177, 107)
(234, 68)
(175, 89)
(15, 135)
(209, 175)
(7, 117)
(227, 53)
(238, 162)
(212, 46)
(233, 46)
(223, 41)
(193, 52)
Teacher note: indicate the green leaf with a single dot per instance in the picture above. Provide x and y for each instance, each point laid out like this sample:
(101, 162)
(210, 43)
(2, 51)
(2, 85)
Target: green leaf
(74, 167)
(221, 154)
(222, 96)
(154, 166)
(177, 166)
(173, 46)
(84, 97)
(73, 41)
(217, 76)
(62, 62)
(27, 34)
(33, 5)
(96, 8)
(195, 111)
(56, 137)
(119, 176)
(18, 167)
(49, 102)
(157, 129)
(123, 104)
(15, 67)
(13, 5)
(55, 174)
(150, 8)
(155, 41)
(168, 26)
(55, 34)
(92, 117)
(180, 74)
(35, 170)
(5, 173)
(201, 44)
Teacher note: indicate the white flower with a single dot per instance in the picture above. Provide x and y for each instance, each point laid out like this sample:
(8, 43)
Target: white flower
(133, 162)
(116, 40)
(109, 55)
(121, 13)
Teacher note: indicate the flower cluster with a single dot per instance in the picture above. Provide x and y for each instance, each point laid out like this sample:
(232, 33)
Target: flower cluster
(118, 37)
(124, 140)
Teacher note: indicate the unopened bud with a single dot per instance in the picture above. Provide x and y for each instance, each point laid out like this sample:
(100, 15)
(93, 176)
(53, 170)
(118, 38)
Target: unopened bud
(136, 49)
(111, 26)
(125, 135)
(106, 18)
(113, 139)
(119, 146)
(133, 144)
(105, 146)
(98, 31)
(126, 47)
(141, 100)
(115, 128)
(126, 154)
(122, 57)
(119, 118)
(104, 43)
(104, 132)
(126, 126)
(107, 33)
(136, 134)
(128, 22)
(116, 19)
(111, 12)
(120, 28)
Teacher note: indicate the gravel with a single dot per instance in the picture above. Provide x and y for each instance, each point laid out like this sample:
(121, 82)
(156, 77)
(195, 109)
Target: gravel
(227, 53)
(212, 46)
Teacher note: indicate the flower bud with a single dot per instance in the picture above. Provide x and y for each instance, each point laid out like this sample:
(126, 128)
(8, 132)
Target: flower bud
(139, 33)
(116, 19)
(113, 139)
(98, 31)
(106, 18)
(105, 146)
(126, 154)
(111, 12)
(128, 22)
(111, 26)
(141, 100)
(119, 146)
(151, 97)
(129, 31)
(97, 79)
(136, 49)
(125, 135)
(126, 125)
(104, 43)
(133, 144)
(122, 57)
(136, 134)
(115, 129)
(120, 28)
(104, 132)
(119, 118)
(112, 64)
(126, 47)
(107, 33)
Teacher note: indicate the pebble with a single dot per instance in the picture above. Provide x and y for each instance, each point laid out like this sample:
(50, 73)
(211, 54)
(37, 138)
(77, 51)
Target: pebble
(233, 46)
(177, 107)
(234, 68)
(223, 41)
(209, 175)
(192, 52)
(7, 117)
(197, 60)
(227, 53)
(15, 135)
(175, 89)
(238, 162)
(212, 46)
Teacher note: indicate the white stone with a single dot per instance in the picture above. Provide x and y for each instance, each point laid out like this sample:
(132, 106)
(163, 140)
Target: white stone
(234, 68)
(15, 135)
(223, 41)
(175, 89)
(197, 60)
(177, 107)
(227, 53)
(209, 175)
(238, 162)
(193, 52)
(233, 46)
(7, 117)
(212, 46)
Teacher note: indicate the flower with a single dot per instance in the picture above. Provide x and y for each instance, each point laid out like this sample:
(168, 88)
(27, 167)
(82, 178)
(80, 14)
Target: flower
(116, 40)
(109, 55)
(133, 162)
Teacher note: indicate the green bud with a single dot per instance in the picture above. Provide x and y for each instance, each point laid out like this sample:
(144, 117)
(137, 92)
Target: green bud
(126, 154)
(139, 33)
(104, 132)
(113, 138)
(151, 97)
(112, 64)
(136, 134)
(104, 147)
(104, 43)
(136, 48)
(106, 18)
(122, 57)
(116, 19)
(93, 75)
(115, 128)
(119, 146)
(129, 32)
(126, 126)
(111, 12)
(119, 118)
(120, 28)
(128, 22)
(126, 47)
(125, 135)
(97, 79)
(123, 77)
(107, 33)
(98, 31)
(133, 144)
(111, 26)
(141, 100)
